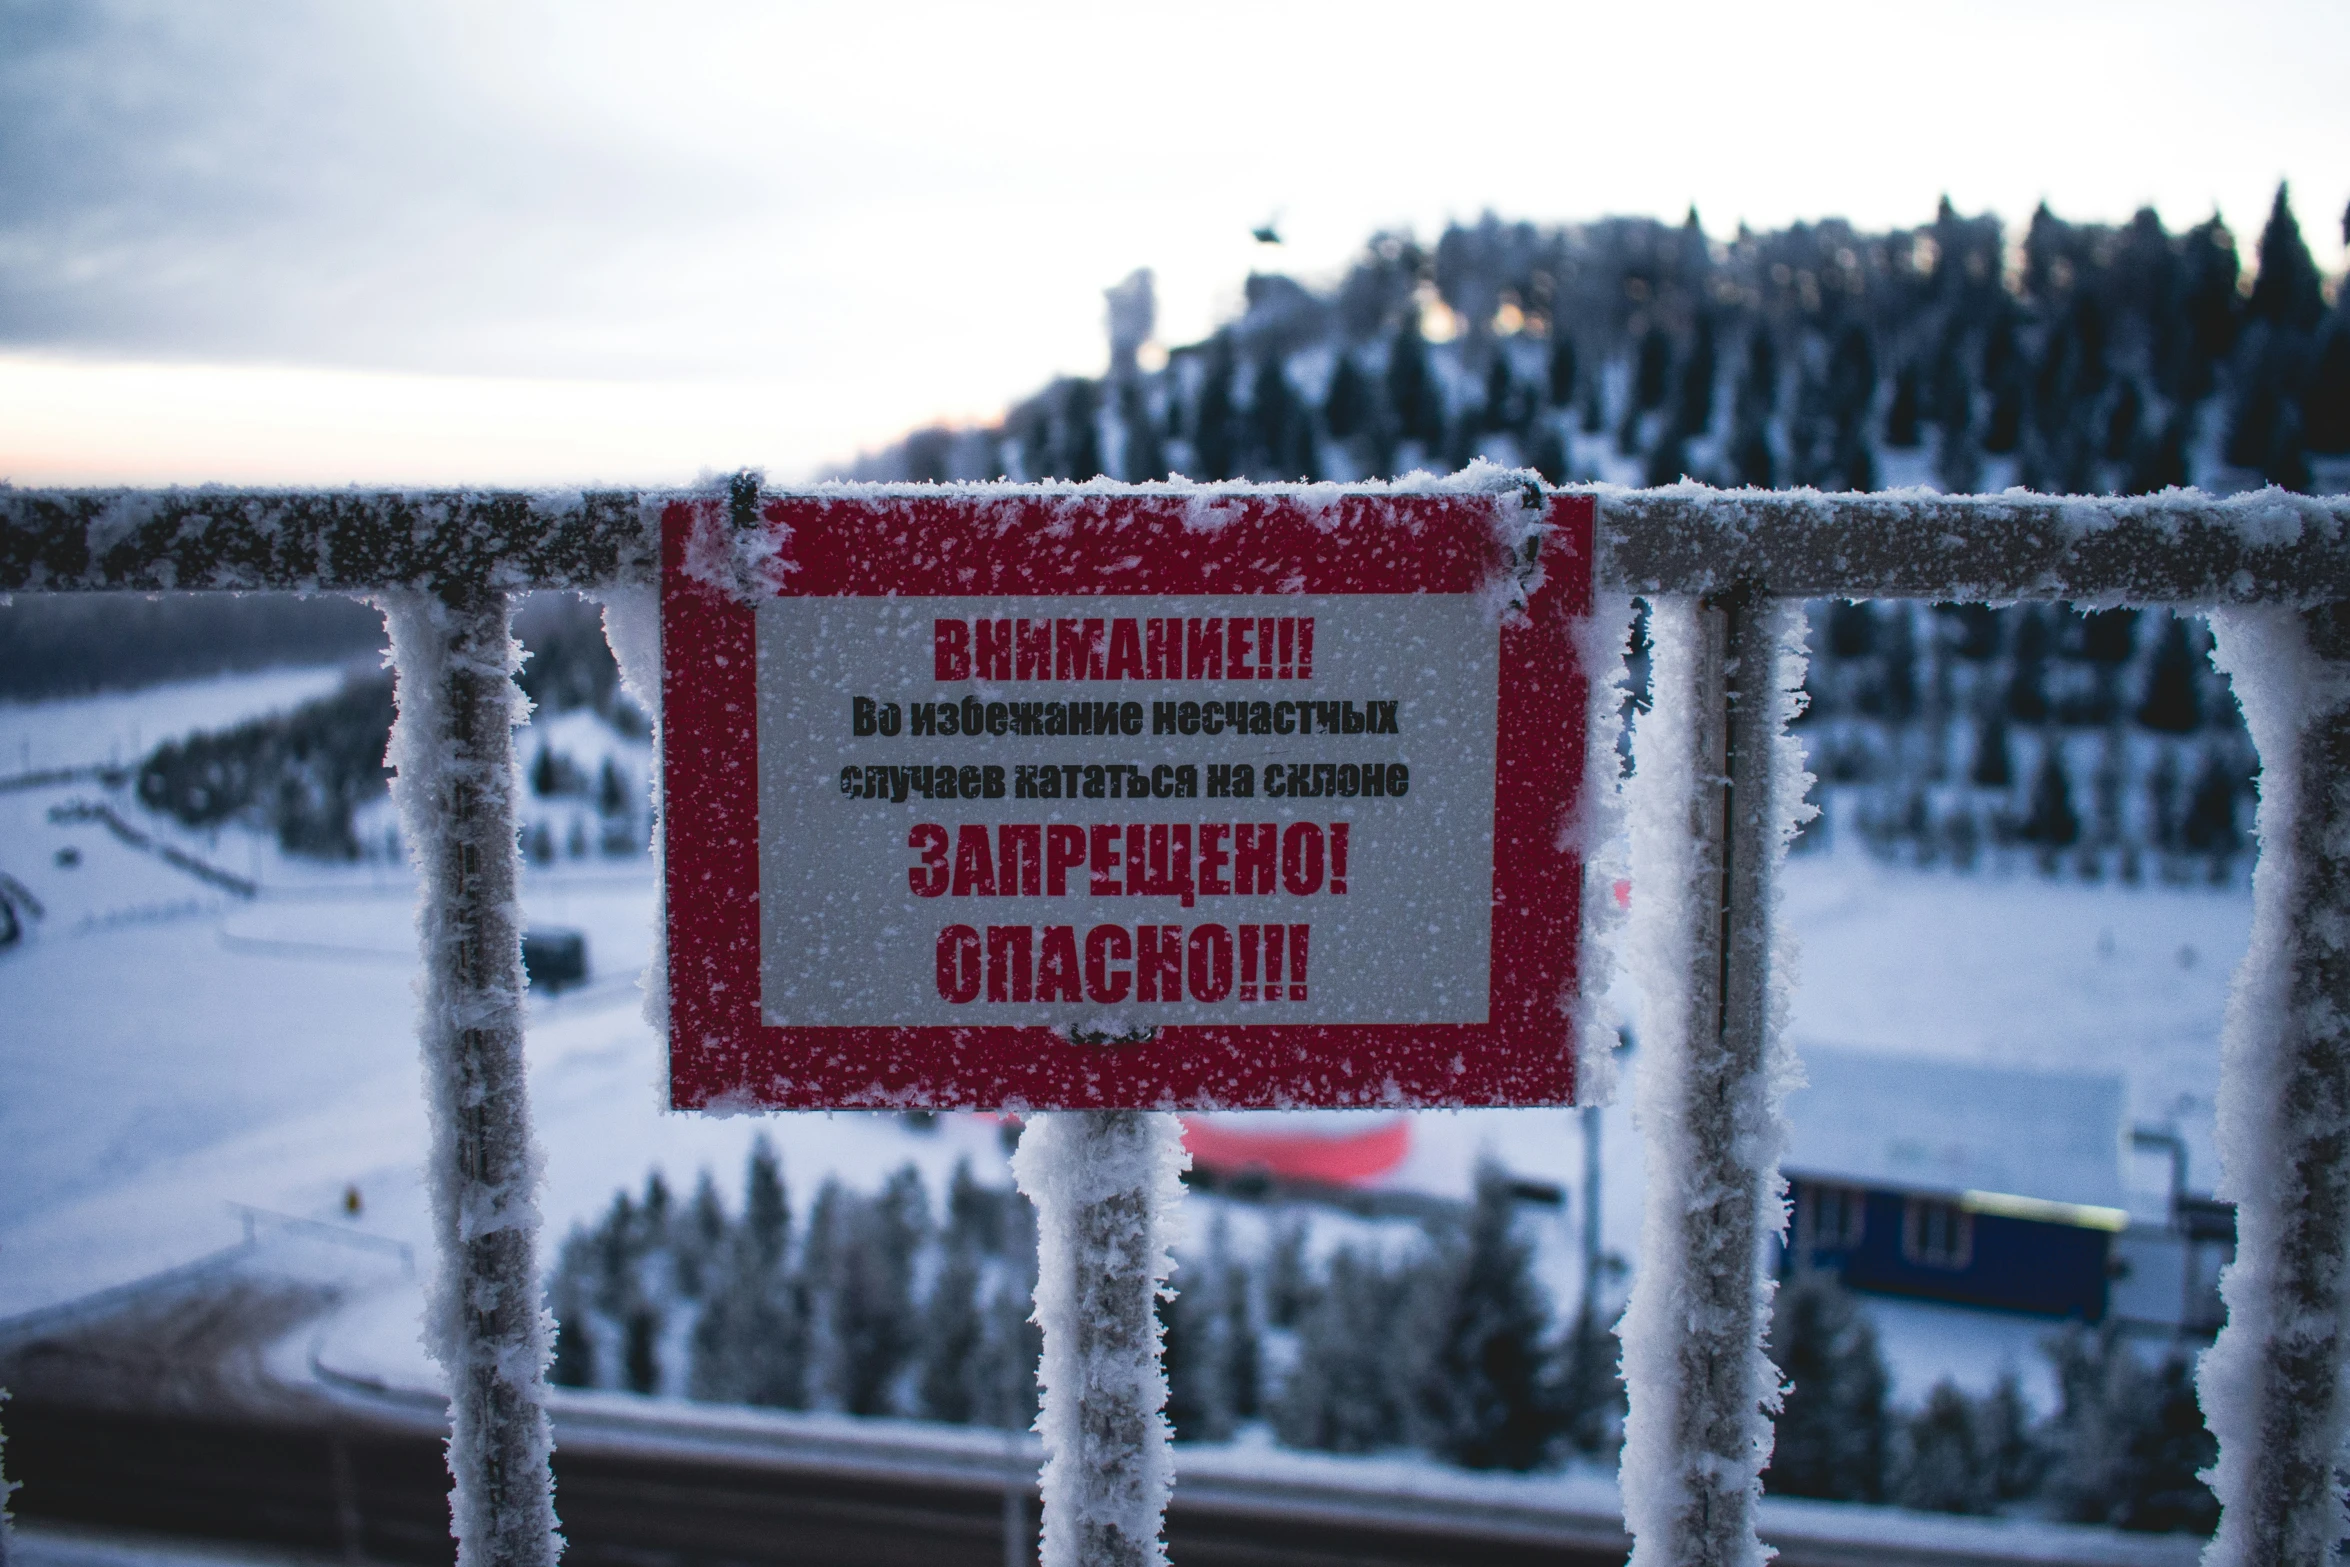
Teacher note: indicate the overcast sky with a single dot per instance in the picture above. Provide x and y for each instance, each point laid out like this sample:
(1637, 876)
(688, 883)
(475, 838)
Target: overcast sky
(467, 240)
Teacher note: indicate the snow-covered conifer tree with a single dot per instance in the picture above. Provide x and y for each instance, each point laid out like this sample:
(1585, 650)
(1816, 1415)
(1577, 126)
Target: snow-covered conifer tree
(1832, 1427)
(1486, 1391)
(750, 1344)
(871, 1314)
(700, 1238)
(948, 1383)
(1943, 1468)
(1348, 1390)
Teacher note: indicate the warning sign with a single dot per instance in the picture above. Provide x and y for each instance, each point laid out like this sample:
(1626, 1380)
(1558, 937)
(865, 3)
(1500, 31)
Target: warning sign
(1022, 799)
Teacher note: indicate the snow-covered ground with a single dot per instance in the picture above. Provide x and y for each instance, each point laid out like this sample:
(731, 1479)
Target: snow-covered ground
(46, 1544)
(119, 727)
(168, 1051)
(2028, 973)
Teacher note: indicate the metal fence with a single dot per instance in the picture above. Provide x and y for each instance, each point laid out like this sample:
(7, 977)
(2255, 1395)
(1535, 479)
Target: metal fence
(1726, 567)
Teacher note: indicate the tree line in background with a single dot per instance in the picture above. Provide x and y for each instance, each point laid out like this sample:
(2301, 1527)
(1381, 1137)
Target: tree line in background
(304, 776)
(2123, 1446)
(1434, 1335)
(72, 644)
(2086, 358)
(2095, 743)
(1431, 1335)
(301, 776)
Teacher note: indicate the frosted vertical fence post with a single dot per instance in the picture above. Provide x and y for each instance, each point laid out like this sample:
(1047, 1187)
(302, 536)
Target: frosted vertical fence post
(1708, 831)
(2272, 1385)
(1106, 1184)
(453, 748)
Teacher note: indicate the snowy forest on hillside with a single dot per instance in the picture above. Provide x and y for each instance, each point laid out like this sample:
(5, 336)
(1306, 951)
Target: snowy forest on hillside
(2085, 358)
(2093, 743)
(2074, 358)
(314, 777)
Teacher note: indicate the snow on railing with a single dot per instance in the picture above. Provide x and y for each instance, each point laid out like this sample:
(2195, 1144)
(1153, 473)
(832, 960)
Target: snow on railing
(455, 783)
(1717, 799)
(1106, 1184)
(1718, 792)
(2272, 1384)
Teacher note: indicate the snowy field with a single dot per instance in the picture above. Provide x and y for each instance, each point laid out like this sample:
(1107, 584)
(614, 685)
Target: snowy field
(46, 1544)
(171, 1052)
(119, 727)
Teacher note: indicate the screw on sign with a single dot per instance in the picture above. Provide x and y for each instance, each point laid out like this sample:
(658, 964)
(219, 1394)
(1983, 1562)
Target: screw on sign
(1116, 801)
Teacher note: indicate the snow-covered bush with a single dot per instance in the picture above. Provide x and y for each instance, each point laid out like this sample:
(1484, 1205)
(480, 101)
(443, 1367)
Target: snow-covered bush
(1360, 1356)
(1448, 1346)
(1212, 1336)
(1488, 1392)
(1961, 1454)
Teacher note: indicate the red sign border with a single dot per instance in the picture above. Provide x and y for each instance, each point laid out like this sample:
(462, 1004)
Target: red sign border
(723, 1056)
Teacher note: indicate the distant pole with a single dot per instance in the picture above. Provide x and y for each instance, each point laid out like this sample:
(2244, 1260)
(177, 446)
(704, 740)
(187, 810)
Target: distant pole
(1591, 1225)
(1588, 1378)
(453, 749)
(1018, 1551)
(7, 1519)
(2168, 1139)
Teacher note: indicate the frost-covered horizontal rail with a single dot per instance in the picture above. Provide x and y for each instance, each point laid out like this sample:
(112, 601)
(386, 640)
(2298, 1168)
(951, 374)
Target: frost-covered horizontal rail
(2179, 548)
(332, 541)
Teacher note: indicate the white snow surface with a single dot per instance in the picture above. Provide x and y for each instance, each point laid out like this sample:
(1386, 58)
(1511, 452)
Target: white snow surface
(2025, 973)
(118, 728)
(165, 1067)
(1938, 1126)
